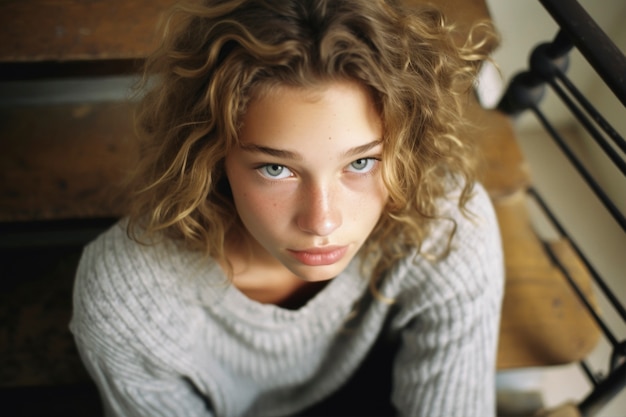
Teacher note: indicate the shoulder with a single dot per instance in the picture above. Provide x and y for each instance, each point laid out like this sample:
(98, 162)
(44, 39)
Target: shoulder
(472, 267)
(114, 265)
(476, 224)
(128, 293)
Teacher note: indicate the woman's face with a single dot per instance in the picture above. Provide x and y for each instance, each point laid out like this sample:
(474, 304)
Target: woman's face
(306, 179)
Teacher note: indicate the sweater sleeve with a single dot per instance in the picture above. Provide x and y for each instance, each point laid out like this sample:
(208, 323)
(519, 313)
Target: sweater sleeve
(122, 329)
(446, 362)
(129, 391)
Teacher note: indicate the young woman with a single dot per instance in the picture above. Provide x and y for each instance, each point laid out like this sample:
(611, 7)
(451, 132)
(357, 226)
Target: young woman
(305, 227)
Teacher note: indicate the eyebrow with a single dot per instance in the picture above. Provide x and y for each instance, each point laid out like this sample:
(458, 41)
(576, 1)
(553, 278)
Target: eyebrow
(359, 150)
(278, 153)
(284, 154)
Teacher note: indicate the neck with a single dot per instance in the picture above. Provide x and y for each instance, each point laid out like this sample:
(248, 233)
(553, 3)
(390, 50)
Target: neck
(264, 279)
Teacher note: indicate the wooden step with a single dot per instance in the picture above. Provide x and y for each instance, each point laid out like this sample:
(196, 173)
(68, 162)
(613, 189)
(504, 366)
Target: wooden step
(504, 171)
(66, 30)
(63, 161)
(543, 321)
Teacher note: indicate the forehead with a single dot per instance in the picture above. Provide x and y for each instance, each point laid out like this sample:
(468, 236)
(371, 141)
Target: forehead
(339, 112)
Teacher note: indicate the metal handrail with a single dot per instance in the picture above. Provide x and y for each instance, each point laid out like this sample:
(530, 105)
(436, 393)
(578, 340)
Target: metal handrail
(592, 42)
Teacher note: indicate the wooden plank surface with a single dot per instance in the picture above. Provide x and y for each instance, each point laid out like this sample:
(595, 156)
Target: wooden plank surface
(504, 171)
(543, 322)
(62, 30)
(63, 161)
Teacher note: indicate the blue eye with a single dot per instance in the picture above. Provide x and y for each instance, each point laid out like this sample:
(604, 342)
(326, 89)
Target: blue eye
(362, 165)
(275, 171)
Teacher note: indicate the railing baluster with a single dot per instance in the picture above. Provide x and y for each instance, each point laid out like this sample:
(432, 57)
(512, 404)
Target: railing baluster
(589, 373)
(604, 392)
(587, 124)
(608, 293)
(619, 141)
(595, 187)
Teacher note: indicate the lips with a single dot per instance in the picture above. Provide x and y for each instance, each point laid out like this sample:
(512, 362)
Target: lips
(326, 255)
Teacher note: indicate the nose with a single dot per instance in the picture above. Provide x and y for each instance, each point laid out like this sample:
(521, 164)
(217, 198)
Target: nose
(319, 212)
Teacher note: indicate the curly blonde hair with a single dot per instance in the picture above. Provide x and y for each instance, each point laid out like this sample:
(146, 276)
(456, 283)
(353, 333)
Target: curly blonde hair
(217, 54)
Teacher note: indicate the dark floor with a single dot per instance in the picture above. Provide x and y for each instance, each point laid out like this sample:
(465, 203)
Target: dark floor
(40, 371)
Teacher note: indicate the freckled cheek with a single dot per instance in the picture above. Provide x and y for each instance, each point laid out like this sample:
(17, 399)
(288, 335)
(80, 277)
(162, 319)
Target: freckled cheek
(371, 196)
(372, 205)
(262, 206)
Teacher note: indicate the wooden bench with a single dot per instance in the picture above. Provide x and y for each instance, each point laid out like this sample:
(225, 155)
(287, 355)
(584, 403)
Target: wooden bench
(61, 161)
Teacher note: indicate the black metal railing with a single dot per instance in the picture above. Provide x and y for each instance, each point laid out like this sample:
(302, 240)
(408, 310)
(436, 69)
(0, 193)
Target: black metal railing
(548, 65)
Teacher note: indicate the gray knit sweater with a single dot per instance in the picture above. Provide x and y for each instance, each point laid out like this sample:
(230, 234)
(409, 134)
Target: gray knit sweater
(163, 333)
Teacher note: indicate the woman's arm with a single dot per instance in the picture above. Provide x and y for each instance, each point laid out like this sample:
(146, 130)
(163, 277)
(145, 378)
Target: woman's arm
(132, 330)
(446, 362)
(128, 389)
(446, 365)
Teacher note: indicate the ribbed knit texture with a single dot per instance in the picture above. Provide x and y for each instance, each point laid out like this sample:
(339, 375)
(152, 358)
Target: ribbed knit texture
(163, 333)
